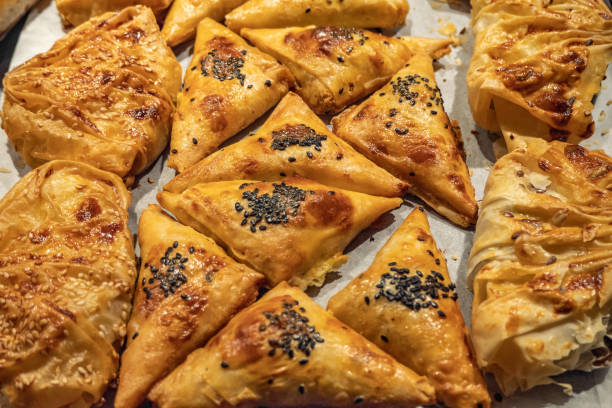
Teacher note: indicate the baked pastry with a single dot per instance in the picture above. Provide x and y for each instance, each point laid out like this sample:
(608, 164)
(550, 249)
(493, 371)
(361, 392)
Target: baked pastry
(11, 11)
(537, 65)
(287, 13)
(406, 304)
(102, 95)
(187, 290)
(67, 272)
(75, 12)
(294, 230)
(404, 129)
(540, 265)
(337, 66)
(285, 350)
(292, 142)
(182, 20)
(228, 85)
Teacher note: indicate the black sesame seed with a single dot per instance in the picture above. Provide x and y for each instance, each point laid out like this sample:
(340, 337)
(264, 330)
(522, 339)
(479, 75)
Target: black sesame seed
(249, 86)
(589, 42)
(340, 59)
(358, 400)
(224, 364)
(309, 154)
(381, 94)
(194, 141)
(283, 174)
(271, 381)
(433, 112)
(185, 297)
(243, 52)
(384, 338)
(191, 250)
(515, 235)
(135, 335)
(339, 156)
(174, 151)
(291, 159)
(367, 300)
(308, 10)
(441, 314)
(389, 124)
(268, 83)
(520, 173)
(340, 91)
(303, 361)
(551, 260)
(437, 261)
(301, 389)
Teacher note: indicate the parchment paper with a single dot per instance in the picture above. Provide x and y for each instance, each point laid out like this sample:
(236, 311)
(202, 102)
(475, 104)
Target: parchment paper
(426, 18)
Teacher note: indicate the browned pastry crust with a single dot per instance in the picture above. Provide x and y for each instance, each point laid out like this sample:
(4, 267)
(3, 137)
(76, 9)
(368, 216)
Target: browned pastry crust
(426, 334)
(404, 129)
(292, 142)
(67, 272)
(184, 16)
(187, 290)
(286, 351)
(75, 12)
(541, 265)
(288, 13)
(228, 85)
(292, 230)
(102, 95)
(336, 66)
(537, 65)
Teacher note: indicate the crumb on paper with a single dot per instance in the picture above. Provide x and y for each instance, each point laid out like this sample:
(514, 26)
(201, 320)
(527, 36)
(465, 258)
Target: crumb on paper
(471, 172)
(458, 62)
(474, 132)
(604, 86)
(150, 180)
(448, 30)
(4, 170)
(605, 132)
(602, 116)
(436, 6)
(454, 257)
(609, 102)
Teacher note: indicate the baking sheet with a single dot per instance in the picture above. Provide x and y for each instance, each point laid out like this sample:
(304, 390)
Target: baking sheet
(426, 18)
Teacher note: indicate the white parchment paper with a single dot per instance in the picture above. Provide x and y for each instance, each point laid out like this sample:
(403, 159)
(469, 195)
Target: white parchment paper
(426, 18)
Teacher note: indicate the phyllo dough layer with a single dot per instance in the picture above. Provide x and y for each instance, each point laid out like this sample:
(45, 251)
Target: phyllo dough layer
(102, 95)
(67, 272)
(75, 12)
(541, 265)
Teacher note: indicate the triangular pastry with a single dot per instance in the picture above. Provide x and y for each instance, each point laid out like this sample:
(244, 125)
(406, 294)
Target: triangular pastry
(536, 67)
(541, 265)
(404, 129)
(293, 230)
(187, 290)
(288, 13)
(336, 66)
(104, 95)
(406, 304)
(292, 142)
(182, 20)
(228, 85)
(75, 12)
(67, 272)
(286, 351)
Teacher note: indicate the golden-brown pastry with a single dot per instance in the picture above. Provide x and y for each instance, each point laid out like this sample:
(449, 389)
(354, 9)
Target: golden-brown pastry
(67, 272)
(287, 13)
(404, 129)
(286, 351)
(541, 265)
(228, 85)
(537, 65)
(187, 290)
(102, 95)
(292, 142)
(75, 12)
(294, 230)
(11, 11)
(337, 66)
(184, 15)
(406, 304)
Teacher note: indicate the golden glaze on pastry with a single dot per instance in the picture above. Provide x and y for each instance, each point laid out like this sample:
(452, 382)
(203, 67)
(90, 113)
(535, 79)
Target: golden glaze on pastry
(541, 265)
(287, 13)
(426, 334)
(257, 361)
(537, 65)
(336, 66)
(187, 290)
(292, 230)
(75, 12)
(292, 142)
(102, 95)
(67, 271)
(404, 129)
(184, 15)
(228, 85)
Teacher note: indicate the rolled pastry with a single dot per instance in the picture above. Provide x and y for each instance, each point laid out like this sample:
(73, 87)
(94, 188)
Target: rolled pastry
(67, 272)
(292, 230)
(187, 290)
(292, 142)
(102, 95)
(541, 265)
(75, 12)
(537, 65)
(286, 351)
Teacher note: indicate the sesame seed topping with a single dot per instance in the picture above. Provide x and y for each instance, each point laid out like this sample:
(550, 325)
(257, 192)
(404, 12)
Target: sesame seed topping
(291, 159)
(194, 141)
(223, 68)
(224, 364)
(367, 300)
(135, 335)
(174, 151)
(301, 388)
(268, 83)
(340, 59)
(441, 314)
(384, 338)
(300, 135)
(358, 400)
